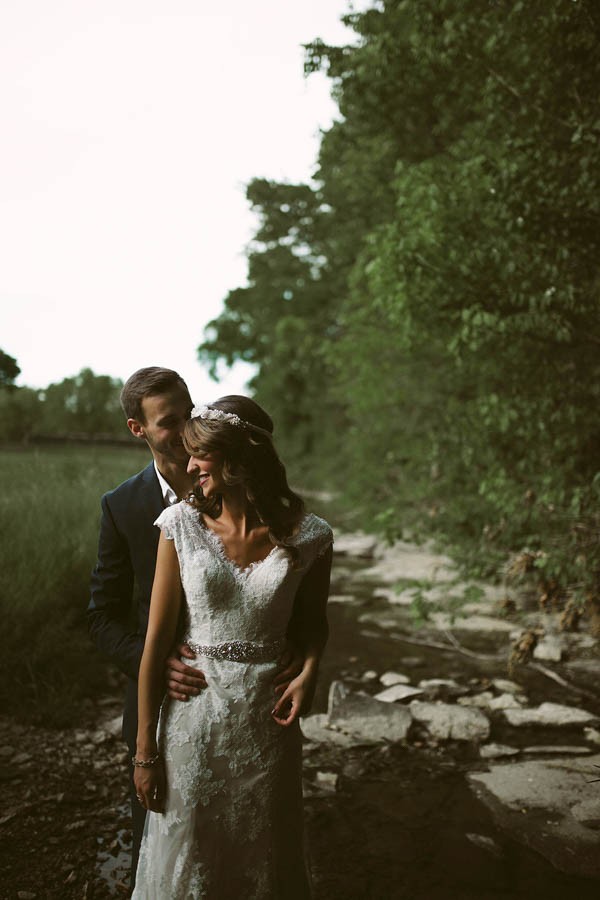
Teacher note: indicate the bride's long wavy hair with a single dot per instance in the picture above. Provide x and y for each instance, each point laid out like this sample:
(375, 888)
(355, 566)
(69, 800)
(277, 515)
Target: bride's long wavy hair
(249, 459)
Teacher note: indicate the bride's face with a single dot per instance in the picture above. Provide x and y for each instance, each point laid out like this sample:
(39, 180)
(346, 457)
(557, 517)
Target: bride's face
(206, 472)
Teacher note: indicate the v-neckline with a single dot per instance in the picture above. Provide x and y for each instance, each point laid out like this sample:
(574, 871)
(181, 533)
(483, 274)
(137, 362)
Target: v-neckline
(219, 546)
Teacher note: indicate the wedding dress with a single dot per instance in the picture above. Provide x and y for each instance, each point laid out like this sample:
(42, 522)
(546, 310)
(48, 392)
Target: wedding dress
(232, 825)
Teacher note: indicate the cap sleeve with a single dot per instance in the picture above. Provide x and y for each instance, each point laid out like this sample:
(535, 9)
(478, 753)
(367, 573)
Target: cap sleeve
(167, 521)
(315, 538)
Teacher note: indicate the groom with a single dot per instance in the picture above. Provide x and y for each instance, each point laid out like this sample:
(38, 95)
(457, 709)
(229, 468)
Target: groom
(157, 404)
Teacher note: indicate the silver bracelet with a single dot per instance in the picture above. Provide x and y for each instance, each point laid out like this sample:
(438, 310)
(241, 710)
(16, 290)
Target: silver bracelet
(145, 763)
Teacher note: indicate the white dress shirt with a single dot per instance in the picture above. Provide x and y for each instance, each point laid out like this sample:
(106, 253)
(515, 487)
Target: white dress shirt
(169, 495)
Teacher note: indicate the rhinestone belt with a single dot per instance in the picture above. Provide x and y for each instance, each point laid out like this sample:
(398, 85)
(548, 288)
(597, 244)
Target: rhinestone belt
(239, 651)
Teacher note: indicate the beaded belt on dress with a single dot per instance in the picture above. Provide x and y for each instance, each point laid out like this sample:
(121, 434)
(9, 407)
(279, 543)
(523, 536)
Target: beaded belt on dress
(239, 651)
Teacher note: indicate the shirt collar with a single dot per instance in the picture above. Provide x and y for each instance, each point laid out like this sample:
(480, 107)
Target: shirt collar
(168, 494)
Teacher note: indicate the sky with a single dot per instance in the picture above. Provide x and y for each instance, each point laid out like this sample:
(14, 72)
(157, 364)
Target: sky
(128, 130)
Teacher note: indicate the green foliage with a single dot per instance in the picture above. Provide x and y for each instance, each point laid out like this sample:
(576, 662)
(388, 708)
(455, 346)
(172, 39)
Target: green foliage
(85, 403)
(49, 516)
(9, 370)
(20, 410)
(425, 316)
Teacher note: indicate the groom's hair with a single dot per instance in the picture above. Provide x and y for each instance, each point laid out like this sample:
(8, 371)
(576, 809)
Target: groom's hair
(147, 383)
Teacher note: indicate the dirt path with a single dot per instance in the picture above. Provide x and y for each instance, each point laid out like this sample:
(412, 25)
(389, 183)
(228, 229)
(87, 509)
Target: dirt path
(59, 793)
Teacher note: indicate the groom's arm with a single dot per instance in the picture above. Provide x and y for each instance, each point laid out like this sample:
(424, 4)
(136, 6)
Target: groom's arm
(109, 612)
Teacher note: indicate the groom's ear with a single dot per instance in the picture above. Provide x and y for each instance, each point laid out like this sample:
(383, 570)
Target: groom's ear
(136, 428)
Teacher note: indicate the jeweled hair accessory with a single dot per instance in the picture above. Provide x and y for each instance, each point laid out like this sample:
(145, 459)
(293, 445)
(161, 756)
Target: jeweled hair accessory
(218, 415)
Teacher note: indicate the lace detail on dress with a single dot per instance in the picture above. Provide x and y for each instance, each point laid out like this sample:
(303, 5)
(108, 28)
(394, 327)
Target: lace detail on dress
(232, 825)
(220, 549)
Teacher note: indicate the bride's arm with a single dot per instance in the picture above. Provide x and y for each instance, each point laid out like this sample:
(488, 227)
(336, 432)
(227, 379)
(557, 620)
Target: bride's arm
(162, 625)
(309, 624)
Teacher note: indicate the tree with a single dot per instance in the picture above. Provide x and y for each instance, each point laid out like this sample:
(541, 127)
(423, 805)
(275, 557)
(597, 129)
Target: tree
(9, 370)
(85, 403)
(428, 308)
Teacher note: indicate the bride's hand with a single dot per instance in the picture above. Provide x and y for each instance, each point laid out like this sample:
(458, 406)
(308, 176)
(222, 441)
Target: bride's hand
(150, 786)
(296, 699)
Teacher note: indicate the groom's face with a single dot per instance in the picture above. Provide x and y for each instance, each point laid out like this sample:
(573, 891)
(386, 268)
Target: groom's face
(164, 418)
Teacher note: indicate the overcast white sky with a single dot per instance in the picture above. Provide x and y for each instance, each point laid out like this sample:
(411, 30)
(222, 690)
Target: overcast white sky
(128, 129)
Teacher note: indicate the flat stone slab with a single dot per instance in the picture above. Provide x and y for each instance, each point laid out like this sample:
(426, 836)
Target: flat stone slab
(557, 750)
(446, 721)
(588, 813)
(348, 599)
(356, 544)
(385, 620)
(365, 717)
(398, 692)
(539, 803)
(484, 624)
(497, 751)
(411, 562)
(549, 714)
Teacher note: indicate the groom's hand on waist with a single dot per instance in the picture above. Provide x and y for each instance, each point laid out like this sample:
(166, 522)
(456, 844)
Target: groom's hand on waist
(183, 681)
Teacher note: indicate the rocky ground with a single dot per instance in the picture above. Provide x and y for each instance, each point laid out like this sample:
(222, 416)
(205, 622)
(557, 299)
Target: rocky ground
(430, 772)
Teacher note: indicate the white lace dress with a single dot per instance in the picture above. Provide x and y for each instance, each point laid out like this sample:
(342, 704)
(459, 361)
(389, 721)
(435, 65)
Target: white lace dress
(232, 826)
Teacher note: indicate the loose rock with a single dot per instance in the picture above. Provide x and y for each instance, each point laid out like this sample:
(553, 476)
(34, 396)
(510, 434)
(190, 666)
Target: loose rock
(327, 780)
(505, 701)
(497, 751)
(448, 722)
(398, 692)
(549, 714)
(592, 735)
(390, 678)
(507, 687)
(485, 843)
(370, 675)
(550, 648)
(364, 717)
(315, 729)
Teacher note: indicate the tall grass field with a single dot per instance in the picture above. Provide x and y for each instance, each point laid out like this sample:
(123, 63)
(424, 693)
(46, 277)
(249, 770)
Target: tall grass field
(49, 517)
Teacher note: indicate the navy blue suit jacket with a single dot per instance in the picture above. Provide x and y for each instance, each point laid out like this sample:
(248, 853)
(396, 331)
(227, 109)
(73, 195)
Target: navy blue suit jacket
(122, 579)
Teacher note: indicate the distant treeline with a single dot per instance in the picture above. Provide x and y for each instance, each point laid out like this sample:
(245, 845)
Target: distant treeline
(425, 315)
(80, 408)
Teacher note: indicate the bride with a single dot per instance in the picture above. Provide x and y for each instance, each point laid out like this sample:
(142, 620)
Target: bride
(243, 566)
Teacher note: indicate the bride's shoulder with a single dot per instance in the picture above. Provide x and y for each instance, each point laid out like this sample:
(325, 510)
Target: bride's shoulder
(175, 516)
(315, 532)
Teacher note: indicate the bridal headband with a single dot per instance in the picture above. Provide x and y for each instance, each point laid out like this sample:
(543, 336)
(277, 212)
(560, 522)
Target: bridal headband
(218, 415)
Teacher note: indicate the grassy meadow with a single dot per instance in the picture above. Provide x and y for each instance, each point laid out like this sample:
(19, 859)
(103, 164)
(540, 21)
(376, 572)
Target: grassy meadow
(50, 512)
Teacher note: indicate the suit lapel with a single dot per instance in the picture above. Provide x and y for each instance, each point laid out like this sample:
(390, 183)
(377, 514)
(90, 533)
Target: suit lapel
(153, 498)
